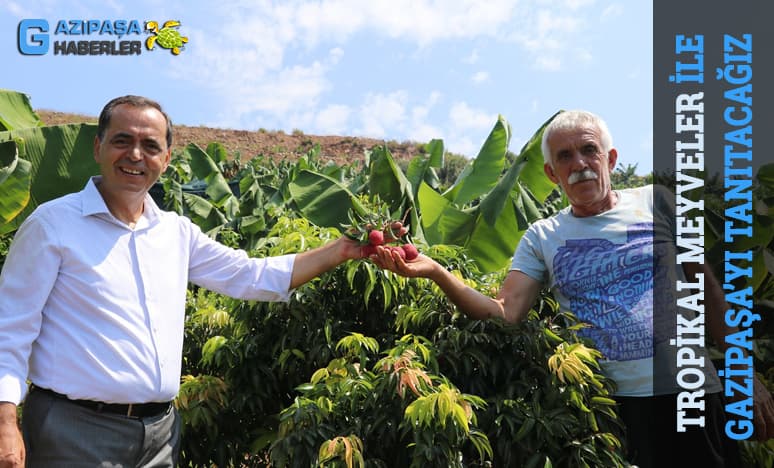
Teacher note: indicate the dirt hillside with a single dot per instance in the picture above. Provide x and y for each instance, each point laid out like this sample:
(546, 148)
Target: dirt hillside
(277, 144)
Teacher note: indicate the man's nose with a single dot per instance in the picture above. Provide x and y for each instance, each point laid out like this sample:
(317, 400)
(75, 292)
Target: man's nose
(135, 153)
(579, 161)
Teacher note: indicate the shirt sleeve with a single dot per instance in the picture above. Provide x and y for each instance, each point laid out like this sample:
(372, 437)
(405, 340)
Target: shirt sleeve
(232, 272)
(528, 258)
(26, 281)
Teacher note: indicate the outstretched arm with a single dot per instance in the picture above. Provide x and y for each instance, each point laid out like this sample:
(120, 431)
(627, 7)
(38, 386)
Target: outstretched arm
(312, 263)
(517, 295)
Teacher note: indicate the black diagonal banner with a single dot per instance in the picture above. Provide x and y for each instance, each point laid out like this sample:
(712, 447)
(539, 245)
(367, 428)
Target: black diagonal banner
(713, 99)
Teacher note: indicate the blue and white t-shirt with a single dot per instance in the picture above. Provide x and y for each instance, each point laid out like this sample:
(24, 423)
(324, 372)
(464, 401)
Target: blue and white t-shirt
(601, 269)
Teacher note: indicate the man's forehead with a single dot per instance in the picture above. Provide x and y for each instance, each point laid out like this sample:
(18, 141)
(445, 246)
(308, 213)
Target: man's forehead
(566, 138)
(131, 120)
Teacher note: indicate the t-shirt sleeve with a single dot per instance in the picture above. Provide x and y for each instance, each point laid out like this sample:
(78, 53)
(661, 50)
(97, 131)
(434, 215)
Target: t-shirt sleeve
(528, 258)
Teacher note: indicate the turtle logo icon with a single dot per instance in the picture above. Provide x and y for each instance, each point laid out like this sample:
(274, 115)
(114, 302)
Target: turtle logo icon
(167, 37)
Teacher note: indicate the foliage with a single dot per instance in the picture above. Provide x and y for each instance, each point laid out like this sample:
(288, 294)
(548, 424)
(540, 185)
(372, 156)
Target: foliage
(362, 367)
(626, 177)
(396, 377)
(38, 163)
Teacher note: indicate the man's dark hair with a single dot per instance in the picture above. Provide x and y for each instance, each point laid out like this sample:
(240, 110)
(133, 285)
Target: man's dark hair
(136, 101)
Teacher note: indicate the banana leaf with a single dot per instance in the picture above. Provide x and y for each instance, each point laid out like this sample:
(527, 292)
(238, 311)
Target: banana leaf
(206, 169)
(16, 111)
(14, 185)
(61, 160)
(482, 174)
(322, 199)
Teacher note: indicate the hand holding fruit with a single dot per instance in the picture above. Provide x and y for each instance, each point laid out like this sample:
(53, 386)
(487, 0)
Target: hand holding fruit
(388, 235)
(390, 259)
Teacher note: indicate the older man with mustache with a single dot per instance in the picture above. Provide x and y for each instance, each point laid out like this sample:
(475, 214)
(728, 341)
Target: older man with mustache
(601, 257)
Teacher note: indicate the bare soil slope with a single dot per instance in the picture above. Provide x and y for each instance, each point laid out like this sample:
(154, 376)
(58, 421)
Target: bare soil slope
(275, 144)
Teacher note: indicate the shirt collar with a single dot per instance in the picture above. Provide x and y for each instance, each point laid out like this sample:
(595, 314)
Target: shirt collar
(92, 202)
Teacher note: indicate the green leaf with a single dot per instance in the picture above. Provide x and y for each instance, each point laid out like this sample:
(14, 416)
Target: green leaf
(206, 170)
(533, 175)
(765, 175)
(211, 347)
(61, 157)
(322, 199)
(16, 111)
(217, 152)
(442, 222)
(203, 212)
(9, 156)
(482, 175)
(494, 202)
(421, 167)
(387, 180)
(15, 183)
(492, 246)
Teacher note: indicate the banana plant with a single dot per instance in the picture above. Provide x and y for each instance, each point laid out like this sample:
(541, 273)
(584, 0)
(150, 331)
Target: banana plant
(38, 162)
(486, 210)
(488, 207)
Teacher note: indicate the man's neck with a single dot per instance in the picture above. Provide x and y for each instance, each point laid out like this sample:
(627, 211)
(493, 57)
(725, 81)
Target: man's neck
(606, 204)
(127, 208)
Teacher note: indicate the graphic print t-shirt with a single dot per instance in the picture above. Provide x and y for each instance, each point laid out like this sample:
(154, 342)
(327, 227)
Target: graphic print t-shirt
(601, 269)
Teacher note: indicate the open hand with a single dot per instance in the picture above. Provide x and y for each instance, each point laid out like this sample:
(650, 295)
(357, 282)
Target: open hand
(421, 266)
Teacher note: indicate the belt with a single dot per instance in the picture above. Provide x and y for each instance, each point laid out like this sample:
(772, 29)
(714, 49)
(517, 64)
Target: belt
(131, 410)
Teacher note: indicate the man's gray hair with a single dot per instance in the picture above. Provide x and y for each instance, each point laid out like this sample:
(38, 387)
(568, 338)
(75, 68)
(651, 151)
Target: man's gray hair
(573, 119)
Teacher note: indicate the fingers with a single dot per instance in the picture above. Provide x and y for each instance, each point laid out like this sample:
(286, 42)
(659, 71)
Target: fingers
(388, 260)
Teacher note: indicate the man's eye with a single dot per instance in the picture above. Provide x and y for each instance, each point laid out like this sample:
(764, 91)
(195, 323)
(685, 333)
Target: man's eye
(590, 149)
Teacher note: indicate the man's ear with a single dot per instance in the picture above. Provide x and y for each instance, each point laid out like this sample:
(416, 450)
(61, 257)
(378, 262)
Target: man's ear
(167, 159)
(612, 158)
(550, 173)
(96, 148)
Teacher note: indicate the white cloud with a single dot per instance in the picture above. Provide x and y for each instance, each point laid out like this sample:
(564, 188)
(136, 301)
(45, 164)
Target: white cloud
(548, 63)
(16, 10)
(419, 129)
(480, 77)
(382, 111)
(277, 57)
(335, 54)
(463, 117)
(463, 145)
(576, 4)
(333, 120)
(396, 115)
(472, 58)
(613, 10)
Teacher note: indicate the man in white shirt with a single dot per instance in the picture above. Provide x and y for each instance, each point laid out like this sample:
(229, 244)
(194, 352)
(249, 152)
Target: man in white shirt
(92, 301)
(597, 256)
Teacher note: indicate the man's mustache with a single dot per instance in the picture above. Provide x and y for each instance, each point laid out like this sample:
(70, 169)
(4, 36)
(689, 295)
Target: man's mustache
(580, 176)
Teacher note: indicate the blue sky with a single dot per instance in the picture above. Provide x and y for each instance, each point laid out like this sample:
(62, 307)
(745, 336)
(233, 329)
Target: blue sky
(396, 70)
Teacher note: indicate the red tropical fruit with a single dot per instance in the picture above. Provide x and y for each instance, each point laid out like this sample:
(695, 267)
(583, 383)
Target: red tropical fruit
(410, 250)
(398, 250)
(376, 237)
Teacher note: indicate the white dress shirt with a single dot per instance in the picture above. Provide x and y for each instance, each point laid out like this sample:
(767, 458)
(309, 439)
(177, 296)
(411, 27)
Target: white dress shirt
(93, 309)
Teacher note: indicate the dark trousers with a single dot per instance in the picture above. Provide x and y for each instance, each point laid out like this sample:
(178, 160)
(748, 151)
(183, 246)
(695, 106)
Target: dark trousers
(62, 434)
(653, 441)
